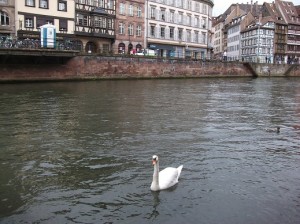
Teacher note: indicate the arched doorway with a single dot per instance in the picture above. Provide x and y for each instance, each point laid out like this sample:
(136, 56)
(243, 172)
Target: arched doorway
(90, 47)
(138, 47)
(130, 46)
(121, 48)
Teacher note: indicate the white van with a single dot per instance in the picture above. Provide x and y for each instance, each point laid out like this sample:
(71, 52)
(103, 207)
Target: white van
(146, 52)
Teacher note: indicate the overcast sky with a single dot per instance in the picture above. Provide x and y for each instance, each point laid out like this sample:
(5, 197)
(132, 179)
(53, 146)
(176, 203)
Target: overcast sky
(222, 5)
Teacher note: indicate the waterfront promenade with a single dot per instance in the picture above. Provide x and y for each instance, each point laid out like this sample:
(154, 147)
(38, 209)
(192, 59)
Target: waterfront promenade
(51, 65)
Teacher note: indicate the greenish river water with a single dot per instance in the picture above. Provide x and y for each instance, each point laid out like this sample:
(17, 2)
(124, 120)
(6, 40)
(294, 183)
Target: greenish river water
(80, 152)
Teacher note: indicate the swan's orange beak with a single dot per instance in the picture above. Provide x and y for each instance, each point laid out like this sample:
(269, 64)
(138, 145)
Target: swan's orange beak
(153, 162)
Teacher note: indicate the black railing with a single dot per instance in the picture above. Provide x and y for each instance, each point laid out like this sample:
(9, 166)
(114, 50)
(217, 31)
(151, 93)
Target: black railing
(8, 42)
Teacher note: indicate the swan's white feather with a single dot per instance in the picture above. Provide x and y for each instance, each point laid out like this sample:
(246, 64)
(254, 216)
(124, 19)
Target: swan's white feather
(168, 177)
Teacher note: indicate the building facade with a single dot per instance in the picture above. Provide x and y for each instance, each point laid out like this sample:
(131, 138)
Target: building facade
(32, 14)
(178, 28)
(218, 36)
(291, 17)
(233, 39)
(130, 27)
(280, 39)
(95, 25)
(7, 18)
(257, 42)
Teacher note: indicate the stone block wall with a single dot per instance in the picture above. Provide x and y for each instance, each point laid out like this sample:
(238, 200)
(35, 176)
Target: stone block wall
(97, 67)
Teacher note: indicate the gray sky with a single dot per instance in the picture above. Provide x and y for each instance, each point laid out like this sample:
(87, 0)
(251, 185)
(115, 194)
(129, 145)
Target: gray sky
(222, 5)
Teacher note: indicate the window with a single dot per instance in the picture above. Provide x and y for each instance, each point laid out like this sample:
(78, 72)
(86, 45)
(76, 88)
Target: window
(122, 8)
(121, 28)
(44, 4)
(204, 9)
(139, 11)
(105, 48)
(171, 16)
(172, 33)
(100, 21)
(62, 6)
(196, 21)
(163, 14)
(3, 1)
(110, 5)
(152, 13)
(82, 20)
(203, 37)
(197, 6)
(130, 30)
(196, 37)
(99, 3)
(63, 25)
(188, 36)
(180, 3)
(4, 19)
(180, 18)
(28, 22)
(139, 30)
(110, 23)
(42, 20)
(162, 32)
(189, 20)
(130, 10)
(30, 3)
(179, 34)
(189, 4)
(204, 22)
(152, 31)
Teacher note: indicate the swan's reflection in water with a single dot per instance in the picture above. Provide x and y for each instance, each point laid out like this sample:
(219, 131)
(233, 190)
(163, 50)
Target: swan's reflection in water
(156, 202)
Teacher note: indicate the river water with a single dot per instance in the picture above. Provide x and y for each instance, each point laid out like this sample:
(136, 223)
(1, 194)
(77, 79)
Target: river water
(80, 152)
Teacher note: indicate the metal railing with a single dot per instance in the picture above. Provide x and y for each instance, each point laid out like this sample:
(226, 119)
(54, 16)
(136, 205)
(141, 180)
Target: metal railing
(8, 42)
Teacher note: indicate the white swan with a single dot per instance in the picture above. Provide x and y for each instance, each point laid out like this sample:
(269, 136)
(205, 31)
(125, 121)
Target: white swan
(165, 178)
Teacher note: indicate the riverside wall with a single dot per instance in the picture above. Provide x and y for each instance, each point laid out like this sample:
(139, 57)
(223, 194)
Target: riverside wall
(99, 67)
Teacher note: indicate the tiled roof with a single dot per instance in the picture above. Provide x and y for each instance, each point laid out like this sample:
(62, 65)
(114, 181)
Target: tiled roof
(289, 12)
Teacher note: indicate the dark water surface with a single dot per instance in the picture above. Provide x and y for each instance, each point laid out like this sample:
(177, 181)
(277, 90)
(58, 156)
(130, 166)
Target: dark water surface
(81, 152)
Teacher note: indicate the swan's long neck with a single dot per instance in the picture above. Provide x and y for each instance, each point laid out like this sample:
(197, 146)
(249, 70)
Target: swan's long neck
(155, 181)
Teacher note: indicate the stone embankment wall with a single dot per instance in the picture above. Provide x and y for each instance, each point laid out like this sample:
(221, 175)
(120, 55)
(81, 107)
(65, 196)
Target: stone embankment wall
(97, 67)
(276, 70)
